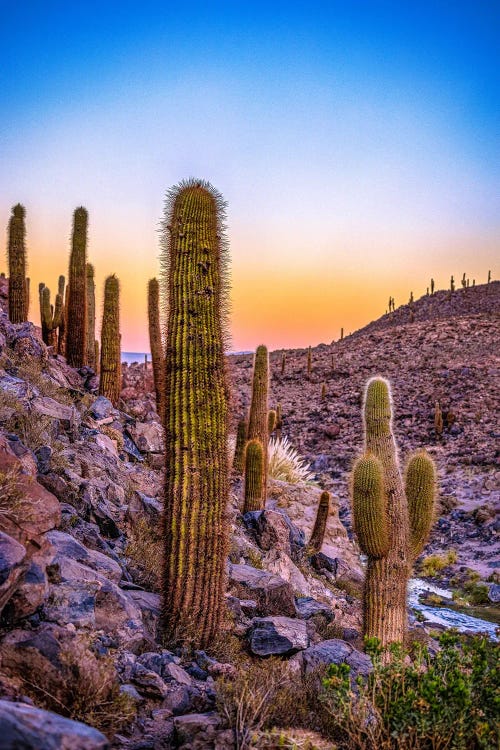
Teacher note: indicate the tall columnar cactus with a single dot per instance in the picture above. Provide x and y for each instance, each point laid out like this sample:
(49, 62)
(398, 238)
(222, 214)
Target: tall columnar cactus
(76, 318)
(18, 289)
(155, 343)
(90, 338)
(319, 528)
(254, 476)
(50, 316)
(239, 450)
(392, 519)
(194, 262)
(110, 370)
(258, 419)
(271, 421)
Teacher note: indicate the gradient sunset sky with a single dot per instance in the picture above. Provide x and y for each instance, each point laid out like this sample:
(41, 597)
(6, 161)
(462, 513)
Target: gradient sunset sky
(355, 142)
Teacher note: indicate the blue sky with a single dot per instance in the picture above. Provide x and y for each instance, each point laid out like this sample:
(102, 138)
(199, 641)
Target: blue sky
(355, 142)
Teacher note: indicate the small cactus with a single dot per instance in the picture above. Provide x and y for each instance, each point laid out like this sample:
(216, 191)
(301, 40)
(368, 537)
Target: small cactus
(76, 318)
(239, 450)
(254, 476)
(110, 370)
(155, 344)
(438, 420)
(271, 421)
(432, 286)
(319, 528)
(258, 416)
(452, 284)
(323, 392)
(392, 519)
(18, 288)
(309, 363)
(90, 339)
(341, 334)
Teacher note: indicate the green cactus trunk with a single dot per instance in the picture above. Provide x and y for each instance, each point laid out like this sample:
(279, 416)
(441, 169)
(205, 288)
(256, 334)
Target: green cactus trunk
(319, 528)
(90, 340)
(50, 316)
(110, 370)
(239, 451)
(61, 342)
(254, 476)
(76, 318)
(156, 345)
(18, 288)
(392, 525)
(258, 416)
(196, 406)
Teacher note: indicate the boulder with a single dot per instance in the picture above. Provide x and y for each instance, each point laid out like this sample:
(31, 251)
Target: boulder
(307, 607)
(269, 636)
(274, 596)
(30, 728)
(12, 565)
(147, 436)
(66, 546)
(101, 408)
(273, 530)
(336, 651)
(193, 729)
(494, 593)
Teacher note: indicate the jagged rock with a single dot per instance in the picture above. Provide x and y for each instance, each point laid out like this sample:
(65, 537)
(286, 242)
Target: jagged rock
(273, 595)
(101, 408)
(283, 566)
(273, 530)
(196, 730)
(43, 456)
(25, 343)
(158, 662)
(131, 449)
(149, 604)
(66, 546)
(12, 565)
(141, 505)
(277, 635)
(32, 588)
(147, 436)
(29, 728)
(336, 651)
(308, 607)
(149, 683)
(46, 406)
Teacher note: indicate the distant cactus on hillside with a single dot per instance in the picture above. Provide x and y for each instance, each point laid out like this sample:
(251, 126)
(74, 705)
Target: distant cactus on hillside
(392, 518)
(438, 419)
(110, 370)
(196, 405)
(18, 287)
(254, 476)
(239, 450)
(76, 318)
(155, 344)
(258, 415)
(90, 339)
(50, 316)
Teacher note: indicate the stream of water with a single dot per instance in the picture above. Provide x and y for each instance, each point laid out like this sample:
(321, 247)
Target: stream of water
(450, 618)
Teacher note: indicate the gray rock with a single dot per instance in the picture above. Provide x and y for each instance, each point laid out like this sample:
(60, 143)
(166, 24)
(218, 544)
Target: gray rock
(273, 595)
(101, 408)
(277, 635)
(336, 651)
(272, 529)
(494, 593)
(24, 727)
(67, 546)
(43, 456)
(307, 607)
(149, 683)
(147, 436)
(189, 728)
(158, 662)
(12, 555)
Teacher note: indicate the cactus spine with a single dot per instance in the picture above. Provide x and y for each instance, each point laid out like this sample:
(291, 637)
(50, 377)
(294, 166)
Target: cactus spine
(196, 405)
(258, 417)
(239, 451)
(76, 318)
(110, 371)
(90, 340)
(18, 288)
(155, 343)
(254, 476)
(392, 520)
(319, 528)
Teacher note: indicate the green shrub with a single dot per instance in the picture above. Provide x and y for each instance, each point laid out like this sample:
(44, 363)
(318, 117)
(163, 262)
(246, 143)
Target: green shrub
(433, 564)
(450, 701)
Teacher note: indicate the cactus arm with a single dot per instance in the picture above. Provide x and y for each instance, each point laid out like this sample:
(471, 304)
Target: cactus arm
(369, 507)
(319, 528)
(420, 488)
(239, 450)
(77, 308)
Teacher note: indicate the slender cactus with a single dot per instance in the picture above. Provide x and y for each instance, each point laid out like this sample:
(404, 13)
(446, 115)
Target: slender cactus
(90, 340)
(76, 318)
(196, 405)
(257, 420)
(392, 520)
(323, 392)
(155, 344)
(18, 288)
(110, 377)
(271, 421)
(319, 528)
(50, 315)
(239, 451)
(254, 476)
(63, 327)
(438, 419)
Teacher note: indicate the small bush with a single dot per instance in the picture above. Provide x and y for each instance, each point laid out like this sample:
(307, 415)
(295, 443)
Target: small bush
(433, 564)
(145, 551)
(449, 701)
(286, 465)
(11, 500)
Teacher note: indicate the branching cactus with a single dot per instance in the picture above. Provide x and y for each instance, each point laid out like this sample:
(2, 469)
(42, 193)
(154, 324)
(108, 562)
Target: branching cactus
(254, 476)
(155, 343)
(110, 370)
(90, 341)
(18, 287)
(258, 418)
(392, 517)
(50, 316)
(76, 318)
(319, 528)
(196, 404)
(239, 450)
